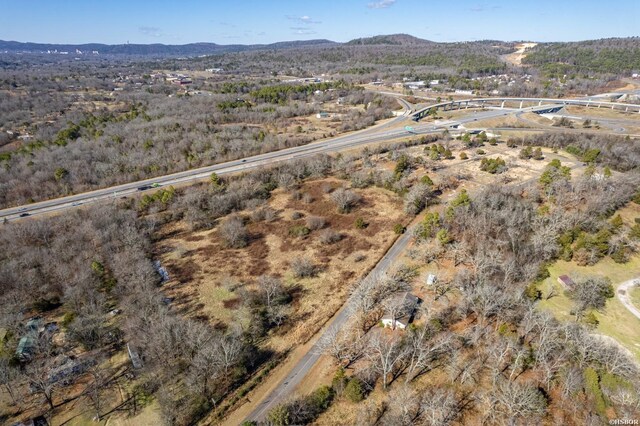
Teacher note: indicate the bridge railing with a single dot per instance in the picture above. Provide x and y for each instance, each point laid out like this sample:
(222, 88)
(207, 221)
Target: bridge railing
(471, 103)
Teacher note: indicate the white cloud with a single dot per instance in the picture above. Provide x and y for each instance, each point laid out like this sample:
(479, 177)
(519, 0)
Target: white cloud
(302, 30)
(151, 31)
(483, 8)
(382, 4)
(304, 19)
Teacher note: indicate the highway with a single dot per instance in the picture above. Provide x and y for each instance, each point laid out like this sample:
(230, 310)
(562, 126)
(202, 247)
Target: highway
(300, 370)
(388, 131)
(384, 132)
(378, 133)
(287, 385)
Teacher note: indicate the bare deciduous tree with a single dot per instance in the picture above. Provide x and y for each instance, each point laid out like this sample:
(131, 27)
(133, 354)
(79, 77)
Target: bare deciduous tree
(386, 354)
(303, 267)
(233, 232)
(345, 199)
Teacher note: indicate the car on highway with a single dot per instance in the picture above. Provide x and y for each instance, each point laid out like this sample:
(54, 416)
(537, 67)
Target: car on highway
(22, 209)
(155, 185)
(25, 214)
(77, 203)
(144, 187)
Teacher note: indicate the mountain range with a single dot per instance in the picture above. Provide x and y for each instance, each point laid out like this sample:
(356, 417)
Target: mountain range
(195, 49)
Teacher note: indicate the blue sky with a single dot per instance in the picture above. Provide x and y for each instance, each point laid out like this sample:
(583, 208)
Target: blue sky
(252, 21)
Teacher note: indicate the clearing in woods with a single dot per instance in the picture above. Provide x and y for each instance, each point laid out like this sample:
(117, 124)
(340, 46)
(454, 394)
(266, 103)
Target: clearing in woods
(201, 267)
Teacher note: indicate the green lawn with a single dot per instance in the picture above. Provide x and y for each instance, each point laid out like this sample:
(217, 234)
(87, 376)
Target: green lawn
(615, 320)
(635, 296)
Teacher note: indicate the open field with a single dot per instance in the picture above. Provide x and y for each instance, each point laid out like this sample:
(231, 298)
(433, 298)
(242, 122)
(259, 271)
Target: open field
(616, 321)
(199, 263)
(604, 113)
(516, 57)
(635, 296)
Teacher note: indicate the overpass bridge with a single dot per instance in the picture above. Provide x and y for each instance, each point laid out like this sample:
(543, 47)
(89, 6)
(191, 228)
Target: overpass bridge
(521, 102)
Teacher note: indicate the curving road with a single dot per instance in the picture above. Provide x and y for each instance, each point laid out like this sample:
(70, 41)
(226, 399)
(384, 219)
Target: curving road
(623, 295)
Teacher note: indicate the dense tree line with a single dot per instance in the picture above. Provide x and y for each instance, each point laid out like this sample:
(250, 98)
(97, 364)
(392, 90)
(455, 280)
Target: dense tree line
(613, 56)
(150, 134)
(618, 152)
(511, 363)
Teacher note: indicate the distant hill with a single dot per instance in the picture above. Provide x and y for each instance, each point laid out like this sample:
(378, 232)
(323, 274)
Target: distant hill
(192, 49)
(609, 55)
(392, 39)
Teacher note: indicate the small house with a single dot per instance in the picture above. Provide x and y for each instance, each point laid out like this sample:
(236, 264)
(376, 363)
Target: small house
(402, 315)
(566, 282)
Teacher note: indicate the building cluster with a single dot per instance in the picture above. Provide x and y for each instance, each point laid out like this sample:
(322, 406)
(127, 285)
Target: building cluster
(179, 79)
(304, 80)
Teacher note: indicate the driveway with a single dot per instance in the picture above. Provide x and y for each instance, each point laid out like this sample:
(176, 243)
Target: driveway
(623, 295)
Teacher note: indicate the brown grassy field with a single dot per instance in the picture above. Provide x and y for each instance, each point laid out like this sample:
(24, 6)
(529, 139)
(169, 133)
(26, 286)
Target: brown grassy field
(199, 263)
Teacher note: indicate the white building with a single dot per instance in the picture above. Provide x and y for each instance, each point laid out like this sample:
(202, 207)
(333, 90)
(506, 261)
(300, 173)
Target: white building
(400, 311)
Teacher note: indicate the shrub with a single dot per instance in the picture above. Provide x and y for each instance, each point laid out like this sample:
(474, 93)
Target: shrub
(303, 267)
(45, 304)
(525, 153)
(591, 319)
(215, 180)
(464, 156)
(354, 391)
(321, 398)
(401, 166)
(480, 151)
(399, 228)
(67, 319)
(329, 236)
(426, 180)
(279, 416)
(416, 199)
(315, 222)
(299, 231)
(621, 255)
(360, 223)
(264, 213)
(537, 154)
(592, 386)
(443, 237)
(493, 165)
(296, 215)
(359, 257)
(345, 200)
(233, 232)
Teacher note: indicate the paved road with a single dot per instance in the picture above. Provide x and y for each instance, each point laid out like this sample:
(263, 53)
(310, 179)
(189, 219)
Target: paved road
(384, 132)
(379, 133)
(388, 131)
(300, 370)
(625, 299)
